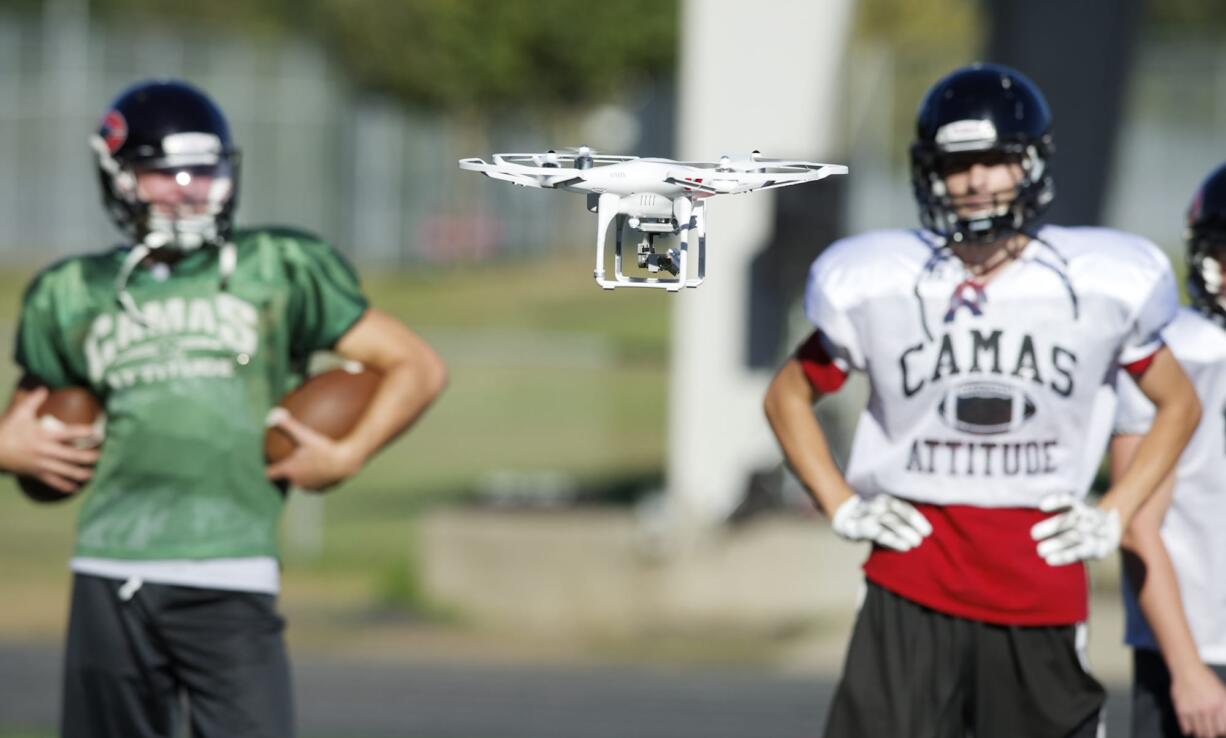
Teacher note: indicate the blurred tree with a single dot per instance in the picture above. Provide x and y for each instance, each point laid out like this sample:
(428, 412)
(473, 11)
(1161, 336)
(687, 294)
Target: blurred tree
(482, 52)
(263, 17)
(456, 54)
(950, 25)
(1186, 17)
(924, 41)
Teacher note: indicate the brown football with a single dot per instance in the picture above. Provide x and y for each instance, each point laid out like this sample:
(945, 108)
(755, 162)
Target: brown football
(330, 402)
(68, 406)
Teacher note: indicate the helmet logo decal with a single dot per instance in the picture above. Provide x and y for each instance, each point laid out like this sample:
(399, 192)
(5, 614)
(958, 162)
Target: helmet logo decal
(191, 142)
(1194, 212)
(961, 132)
(114, 130)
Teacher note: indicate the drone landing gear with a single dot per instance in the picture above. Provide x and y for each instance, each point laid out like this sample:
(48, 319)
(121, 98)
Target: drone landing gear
(689, 217)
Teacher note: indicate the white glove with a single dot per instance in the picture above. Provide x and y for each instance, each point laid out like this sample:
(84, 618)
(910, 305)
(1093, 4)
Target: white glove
(885, 520)
(1080, 532)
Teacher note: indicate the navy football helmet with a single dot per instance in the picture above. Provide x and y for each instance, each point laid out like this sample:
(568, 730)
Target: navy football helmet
(1206, 243)
(169, 175)
(174, 128)
(983, 109)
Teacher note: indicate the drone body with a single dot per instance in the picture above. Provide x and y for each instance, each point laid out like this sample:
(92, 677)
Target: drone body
(650, 197)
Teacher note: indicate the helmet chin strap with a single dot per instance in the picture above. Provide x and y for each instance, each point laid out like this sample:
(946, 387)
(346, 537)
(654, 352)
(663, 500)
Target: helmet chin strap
(134, 258)
(227, 259)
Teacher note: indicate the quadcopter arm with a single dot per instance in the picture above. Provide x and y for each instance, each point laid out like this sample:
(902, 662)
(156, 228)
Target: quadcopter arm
(819, 174)
(522, 174)
(493, 171)
(811, 173)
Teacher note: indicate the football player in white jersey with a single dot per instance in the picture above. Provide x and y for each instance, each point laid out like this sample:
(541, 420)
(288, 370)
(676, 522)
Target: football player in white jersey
(1174, 548)
(985, 339)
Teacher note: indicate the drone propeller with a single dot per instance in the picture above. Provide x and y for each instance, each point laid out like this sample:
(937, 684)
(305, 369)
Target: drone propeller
(581, 156)
(733, 181)
(580, 150)
(728, 164)
(549, 159)
(561, 157)
(755, 162)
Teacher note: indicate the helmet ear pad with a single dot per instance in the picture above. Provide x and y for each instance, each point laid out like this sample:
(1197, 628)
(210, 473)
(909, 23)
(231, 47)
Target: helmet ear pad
(125, 183)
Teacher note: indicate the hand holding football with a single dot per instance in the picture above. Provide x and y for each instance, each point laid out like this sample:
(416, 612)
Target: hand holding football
(331, 403)
(68, 406)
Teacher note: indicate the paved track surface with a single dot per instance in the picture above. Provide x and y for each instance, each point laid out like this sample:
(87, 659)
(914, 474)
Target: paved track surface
(349, 699)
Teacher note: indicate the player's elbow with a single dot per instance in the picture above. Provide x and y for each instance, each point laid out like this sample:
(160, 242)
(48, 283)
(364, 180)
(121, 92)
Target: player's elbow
(1184, 405)
(783, 397)
(1194, 410)
(432, 373)
(768, 402)
(1129, 540)
(773, 402)
(1141, 535)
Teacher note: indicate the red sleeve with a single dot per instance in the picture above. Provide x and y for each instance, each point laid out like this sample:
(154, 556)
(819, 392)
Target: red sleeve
(1138, 367)
(819, 368)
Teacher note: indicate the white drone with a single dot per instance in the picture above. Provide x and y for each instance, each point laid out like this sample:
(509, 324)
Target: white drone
(650, 196)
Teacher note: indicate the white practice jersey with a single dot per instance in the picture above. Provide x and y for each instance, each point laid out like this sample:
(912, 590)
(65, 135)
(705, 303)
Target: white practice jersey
(1192, 529)
(983, 394)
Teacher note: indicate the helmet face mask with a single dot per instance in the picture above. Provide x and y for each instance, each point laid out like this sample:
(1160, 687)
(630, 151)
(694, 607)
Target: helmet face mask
(977, 186)
(1207, 262)
(180, 204)
(167, 166)
(1206, 244)
(989, 115)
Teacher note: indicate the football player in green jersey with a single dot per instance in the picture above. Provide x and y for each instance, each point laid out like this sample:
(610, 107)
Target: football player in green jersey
(189, 335)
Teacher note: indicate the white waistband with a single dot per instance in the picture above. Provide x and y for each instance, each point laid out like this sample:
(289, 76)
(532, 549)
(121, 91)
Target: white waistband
(248, 574)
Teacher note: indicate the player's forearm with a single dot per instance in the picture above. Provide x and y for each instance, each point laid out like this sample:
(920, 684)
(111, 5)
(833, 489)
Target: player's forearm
(1153, 578)
(807, 452)
(405, 392)
(1149, 568)
(1156, 455)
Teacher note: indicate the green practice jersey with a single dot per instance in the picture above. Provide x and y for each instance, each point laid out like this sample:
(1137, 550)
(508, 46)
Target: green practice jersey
(187, 387)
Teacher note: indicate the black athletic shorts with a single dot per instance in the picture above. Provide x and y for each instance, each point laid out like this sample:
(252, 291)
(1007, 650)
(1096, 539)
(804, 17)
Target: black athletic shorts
(1153, 713)
(916, 673)
(135, 658)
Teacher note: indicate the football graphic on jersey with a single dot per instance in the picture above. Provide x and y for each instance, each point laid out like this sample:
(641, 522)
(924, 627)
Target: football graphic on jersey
(66, 406)
(985, 408)
(330, 402)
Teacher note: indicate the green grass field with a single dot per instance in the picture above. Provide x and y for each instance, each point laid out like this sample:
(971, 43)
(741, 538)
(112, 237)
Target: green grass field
(550, 376)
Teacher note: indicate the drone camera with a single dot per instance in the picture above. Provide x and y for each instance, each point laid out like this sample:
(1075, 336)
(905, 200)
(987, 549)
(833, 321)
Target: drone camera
(647, 258)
